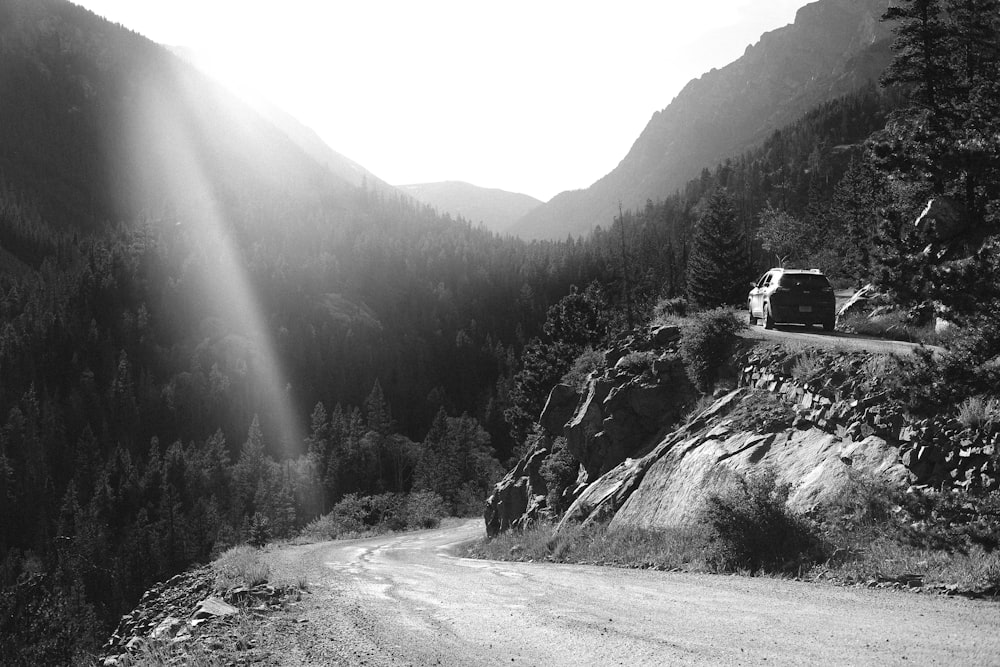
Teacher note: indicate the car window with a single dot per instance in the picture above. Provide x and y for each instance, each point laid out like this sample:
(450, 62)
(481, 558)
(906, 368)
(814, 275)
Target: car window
(804, 281)
(763, 280)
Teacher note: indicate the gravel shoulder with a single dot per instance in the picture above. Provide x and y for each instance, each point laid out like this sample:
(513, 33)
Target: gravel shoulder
(407, 599)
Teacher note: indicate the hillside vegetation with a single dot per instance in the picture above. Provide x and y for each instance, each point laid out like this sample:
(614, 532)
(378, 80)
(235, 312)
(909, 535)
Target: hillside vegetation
(192, 364)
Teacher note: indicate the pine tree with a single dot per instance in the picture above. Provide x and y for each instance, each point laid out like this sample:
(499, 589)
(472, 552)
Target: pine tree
(718, 268)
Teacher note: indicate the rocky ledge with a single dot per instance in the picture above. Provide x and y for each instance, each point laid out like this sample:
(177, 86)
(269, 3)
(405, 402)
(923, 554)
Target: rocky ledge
(639, 468)
(187, 609)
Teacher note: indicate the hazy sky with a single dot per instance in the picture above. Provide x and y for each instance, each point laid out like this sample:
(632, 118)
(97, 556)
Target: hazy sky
(535, 97)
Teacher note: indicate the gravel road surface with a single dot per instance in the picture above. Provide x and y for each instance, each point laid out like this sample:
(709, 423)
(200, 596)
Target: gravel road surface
(836, 340)
(408, 600)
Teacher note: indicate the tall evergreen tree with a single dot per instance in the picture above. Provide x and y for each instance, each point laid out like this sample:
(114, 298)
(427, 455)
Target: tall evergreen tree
(718, 269)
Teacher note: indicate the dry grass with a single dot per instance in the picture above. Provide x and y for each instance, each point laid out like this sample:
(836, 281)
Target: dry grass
(678, 549)
(893, 326)
(808, 366)
(240, 566)
(866, 536)
(979, 412)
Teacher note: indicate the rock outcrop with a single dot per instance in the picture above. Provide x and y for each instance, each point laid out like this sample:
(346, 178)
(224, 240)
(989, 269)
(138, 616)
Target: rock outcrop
(841, 424)
(620, 413)
(519, 497)
(840, 431)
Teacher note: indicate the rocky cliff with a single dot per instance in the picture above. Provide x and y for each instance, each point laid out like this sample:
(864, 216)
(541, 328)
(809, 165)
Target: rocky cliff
(818, 419)
(619, 413)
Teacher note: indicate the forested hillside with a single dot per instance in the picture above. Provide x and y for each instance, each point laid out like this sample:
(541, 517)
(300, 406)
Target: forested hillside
(206, 335)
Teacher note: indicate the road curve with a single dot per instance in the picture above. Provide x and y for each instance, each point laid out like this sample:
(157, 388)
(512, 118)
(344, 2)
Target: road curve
(407, 600)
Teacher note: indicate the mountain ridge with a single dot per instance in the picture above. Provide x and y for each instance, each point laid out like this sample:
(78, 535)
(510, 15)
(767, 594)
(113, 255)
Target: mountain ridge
(497, 209)
(832, 48)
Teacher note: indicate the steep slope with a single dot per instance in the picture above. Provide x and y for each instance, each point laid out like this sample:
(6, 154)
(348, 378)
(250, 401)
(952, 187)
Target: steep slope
(497, 209)
(832, 48)
(99, 110)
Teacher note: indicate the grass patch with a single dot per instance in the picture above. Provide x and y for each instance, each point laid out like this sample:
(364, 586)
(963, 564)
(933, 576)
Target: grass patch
(877, 532)
(240, 566)
(894, 326)
(872, 533)
(979, 412)
(597, 544)
(808, 366)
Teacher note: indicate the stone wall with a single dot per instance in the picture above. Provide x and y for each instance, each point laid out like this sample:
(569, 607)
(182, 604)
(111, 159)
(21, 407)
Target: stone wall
(938, 452)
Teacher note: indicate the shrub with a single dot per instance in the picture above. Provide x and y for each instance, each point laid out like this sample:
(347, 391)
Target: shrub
(638, 362)
(587, 362)
(258, 530)
(386, 510)
(424, 509)
(752, 528)
(666, 309)
(559, 470)
(349, 515)
(708, 342)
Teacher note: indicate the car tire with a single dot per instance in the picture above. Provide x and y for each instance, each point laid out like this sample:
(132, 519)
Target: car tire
(753, 320)
(828, 325)
(768, 320)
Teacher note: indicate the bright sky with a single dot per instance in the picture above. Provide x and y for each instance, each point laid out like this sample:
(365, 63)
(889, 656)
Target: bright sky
(531, 96)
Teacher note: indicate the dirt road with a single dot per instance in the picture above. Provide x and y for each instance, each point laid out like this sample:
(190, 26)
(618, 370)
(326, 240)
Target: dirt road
(837, 340)
(406, 600)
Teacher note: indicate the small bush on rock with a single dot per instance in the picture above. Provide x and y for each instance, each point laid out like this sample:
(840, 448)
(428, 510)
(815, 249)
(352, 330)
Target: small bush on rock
(707, 343)
(637, 362)
(559, 470)
(979, 412)
(754, 530)
(589, 360)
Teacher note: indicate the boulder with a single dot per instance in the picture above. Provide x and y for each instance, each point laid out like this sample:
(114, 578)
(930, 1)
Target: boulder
(211, 607)
(519, 497)
(664, 336)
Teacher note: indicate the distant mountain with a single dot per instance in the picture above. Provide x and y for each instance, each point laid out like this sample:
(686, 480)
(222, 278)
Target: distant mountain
(832, 48)
(99, 125)
(497, 209)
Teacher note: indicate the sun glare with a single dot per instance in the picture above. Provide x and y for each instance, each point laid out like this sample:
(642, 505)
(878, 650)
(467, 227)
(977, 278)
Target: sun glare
(164, 149)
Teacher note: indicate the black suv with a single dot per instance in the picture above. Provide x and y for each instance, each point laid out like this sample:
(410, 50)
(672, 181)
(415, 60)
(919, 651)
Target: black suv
(793, 296)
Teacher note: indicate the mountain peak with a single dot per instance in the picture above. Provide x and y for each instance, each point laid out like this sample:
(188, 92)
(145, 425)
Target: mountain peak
(834, 47)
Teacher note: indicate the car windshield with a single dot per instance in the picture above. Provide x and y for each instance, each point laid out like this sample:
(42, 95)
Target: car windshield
(804, 281)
